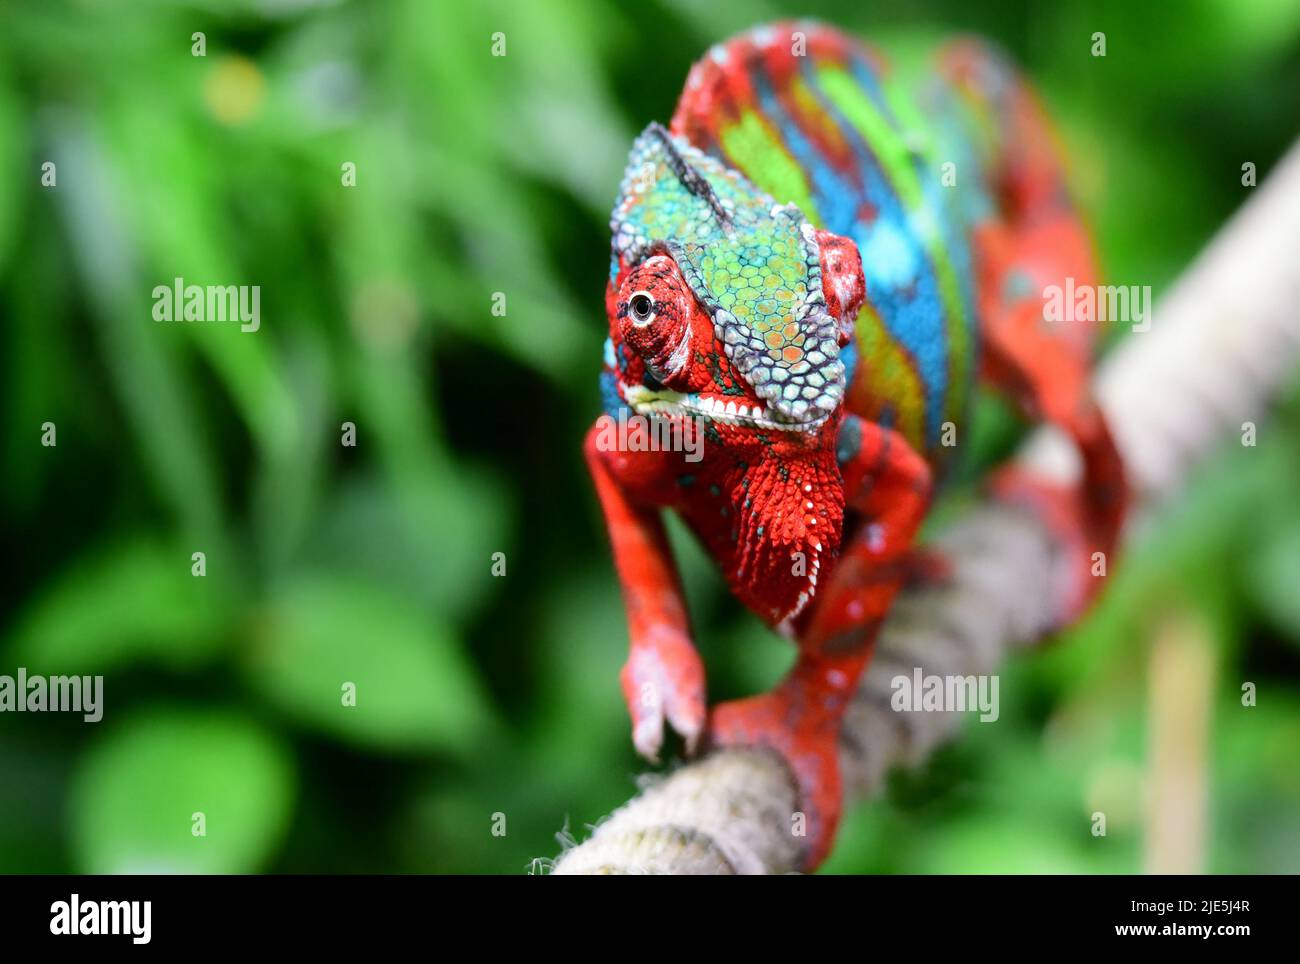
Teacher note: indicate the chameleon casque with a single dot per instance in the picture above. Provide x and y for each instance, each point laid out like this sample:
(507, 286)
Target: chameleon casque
(791, 268)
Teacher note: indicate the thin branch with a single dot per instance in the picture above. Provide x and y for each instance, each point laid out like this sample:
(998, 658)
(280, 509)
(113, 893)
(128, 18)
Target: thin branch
(1223, 341)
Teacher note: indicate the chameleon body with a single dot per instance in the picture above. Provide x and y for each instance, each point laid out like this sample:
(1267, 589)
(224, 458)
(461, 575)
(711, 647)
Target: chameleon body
(813, 264)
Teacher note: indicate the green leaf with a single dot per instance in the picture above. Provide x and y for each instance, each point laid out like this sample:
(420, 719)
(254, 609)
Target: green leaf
(137, 792)
(414, 690)
(993, 845)
(155, 387)
(425, 533)
(125, 603)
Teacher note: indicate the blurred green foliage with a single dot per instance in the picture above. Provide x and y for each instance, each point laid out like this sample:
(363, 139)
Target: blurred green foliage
(479, 695)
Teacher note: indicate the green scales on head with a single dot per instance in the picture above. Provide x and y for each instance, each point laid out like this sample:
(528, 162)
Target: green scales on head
(752, 263)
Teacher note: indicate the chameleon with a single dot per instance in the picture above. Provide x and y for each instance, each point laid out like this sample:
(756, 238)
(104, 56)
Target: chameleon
(815, 264)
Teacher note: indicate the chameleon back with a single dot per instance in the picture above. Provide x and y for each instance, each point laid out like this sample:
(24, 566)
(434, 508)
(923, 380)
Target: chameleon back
(817, 120)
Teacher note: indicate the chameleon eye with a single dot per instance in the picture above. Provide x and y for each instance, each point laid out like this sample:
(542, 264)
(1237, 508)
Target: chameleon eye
(641, 308)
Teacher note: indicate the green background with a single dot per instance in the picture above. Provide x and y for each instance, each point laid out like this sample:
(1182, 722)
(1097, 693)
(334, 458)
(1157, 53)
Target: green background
(482, 695)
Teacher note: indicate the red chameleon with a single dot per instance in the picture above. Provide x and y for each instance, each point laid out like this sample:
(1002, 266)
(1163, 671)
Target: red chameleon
(810, 266)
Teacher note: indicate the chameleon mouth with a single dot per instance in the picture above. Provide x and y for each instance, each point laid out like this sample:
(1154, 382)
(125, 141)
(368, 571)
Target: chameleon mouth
(718, 408)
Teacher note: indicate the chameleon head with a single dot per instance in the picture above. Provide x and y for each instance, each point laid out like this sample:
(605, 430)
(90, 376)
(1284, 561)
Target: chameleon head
(721, 302)
(729, 308)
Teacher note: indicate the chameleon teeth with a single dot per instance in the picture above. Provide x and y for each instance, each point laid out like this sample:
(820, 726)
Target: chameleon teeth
(666, 403)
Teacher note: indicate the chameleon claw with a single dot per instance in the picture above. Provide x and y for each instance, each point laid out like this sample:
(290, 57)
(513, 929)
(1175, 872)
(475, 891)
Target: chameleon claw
(663, 681)
(688, 720)
(648, 734)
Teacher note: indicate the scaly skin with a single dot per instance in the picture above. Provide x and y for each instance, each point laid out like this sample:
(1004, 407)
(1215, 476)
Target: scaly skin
(791, 272)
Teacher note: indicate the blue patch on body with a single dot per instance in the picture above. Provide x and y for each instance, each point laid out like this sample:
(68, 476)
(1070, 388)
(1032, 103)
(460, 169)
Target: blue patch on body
(849, 356)
(833, 193)
(609, 398)
(901, 281)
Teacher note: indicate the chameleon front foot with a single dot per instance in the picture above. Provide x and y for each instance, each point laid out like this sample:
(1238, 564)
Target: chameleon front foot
(786, 721)
(663, 682)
